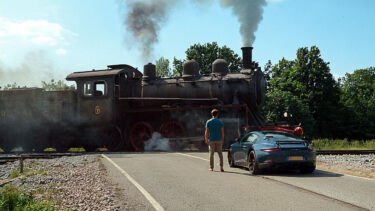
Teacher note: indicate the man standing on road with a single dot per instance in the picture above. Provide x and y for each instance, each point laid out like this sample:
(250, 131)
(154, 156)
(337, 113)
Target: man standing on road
(214, 136)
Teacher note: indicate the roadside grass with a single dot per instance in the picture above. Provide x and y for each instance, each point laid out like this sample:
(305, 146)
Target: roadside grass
(14, 174)
(27, 172)
(11, 198)
(344, 144)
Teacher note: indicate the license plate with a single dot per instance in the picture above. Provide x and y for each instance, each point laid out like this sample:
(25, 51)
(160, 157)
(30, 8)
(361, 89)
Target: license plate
(295, 157)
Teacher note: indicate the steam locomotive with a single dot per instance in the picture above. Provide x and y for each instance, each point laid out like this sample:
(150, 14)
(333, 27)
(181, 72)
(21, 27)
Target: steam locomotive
(120, 108)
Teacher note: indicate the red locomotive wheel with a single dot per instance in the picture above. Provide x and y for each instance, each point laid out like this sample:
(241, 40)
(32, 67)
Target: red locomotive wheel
(139, 133)
(172, 129)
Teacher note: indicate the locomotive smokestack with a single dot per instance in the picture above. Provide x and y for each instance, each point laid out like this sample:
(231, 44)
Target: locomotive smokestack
(247, 57)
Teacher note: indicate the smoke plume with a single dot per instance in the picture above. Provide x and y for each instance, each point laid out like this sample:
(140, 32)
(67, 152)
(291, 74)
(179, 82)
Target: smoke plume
(145, 18)
(249, 13)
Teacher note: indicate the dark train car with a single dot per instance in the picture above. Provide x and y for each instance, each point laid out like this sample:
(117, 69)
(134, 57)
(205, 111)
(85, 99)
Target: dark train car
(28, 117)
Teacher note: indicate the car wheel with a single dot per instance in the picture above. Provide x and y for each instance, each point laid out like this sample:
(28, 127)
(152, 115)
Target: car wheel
(307, 170)
(231, 160)
(253, 164)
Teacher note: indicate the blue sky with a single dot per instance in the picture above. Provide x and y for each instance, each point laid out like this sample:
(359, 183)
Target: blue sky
(70, 35)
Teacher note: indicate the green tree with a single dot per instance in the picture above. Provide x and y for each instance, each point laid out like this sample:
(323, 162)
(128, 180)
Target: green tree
(308, 78)
(268, 74)
(162, 68)
(279, 102)
(206, 54)
(177, 67)
(56, 85)
(11, 86)
(358, 96)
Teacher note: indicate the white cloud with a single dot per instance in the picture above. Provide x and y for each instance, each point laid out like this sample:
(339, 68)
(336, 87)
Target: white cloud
(61, 51)
(38, 32)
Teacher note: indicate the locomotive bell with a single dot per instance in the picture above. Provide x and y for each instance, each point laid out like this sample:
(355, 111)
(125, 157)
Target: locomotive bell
(191, 69)
(220, 66)
(149, 71)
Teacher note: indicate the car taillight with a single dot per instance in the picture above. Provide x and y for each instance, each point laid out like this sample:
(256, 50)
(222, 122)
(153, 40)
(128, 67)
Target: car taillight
(310, 149)
(271, 150)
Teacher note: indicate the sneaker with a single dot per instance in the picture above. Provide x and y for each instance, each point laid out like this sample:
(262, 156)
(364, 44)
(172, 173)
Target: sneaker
(210, 169)
(222, 170)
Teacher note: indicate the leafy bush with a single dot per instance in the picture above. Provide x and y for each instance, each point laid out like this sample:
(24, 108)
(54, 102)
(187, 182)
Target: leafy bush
(11, 198)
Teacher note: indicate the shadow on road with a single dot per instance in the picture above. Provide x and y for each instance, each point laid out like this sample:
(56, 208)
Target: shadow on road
(289, 173)
(296, 173)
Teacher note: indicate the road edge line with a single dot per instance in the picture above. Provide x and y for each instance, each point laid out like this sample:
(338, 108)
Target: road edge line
(187, 155)
(146, 194)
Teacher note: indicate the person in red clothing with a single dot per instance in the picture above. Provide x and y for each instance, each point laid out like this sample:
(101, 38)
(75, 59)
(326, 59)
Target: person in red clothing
(214, 136)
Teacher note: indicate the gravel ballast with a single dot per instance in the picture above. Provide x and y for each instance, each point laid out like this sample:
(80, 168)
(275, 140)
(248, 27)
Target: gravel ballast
(358, 165)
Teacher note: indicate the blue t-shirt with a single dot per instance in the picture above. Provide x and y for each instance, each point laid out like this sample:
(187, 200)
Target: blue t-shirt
(214, 126)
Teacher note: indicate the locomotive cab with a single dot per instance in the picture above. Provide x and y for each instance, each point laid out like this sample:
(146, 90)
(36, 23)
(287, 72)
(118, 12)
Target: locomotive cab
(98, 92)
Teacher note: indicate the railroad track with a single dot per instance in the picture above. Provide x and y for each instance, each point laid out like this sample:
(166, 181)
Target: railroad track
(13, 157)
(50, 155)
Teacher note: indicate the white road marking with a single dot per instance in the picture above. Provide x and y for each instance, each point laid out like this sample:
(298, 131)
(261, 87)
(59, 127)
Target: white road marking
(187, 155)
(148, 196)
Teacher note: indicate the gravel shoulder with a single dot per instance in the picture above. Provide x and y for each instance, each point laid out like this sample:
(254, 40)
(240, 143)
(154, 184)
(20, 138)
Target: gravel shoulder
(356, 165)
(71, 183)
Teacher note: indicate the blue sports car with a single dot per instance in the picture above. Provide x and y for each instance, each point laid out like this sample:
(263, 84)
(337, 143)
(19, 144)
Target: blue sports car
(272, 147)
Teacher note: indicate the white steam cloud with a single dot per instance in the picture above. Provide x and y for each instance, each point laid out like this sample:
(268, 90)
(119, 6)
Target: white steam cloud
(34, 69)
(157, 143)
(145, 18)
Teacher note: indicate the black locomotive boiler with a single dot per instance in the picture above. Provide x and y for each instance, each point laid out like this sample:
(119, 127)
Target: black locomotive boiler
(121, 108)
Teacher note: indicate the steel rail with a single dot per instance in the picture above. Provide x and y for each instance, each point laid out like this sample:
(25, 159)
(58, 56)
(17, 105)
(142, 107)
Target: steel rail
(49, 155)
(344, 152)
(13, 157)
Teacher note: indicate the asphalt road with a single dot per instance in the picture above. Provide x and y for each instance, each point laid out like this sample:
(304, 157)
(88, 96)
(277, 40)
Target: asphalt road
(181, 181)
